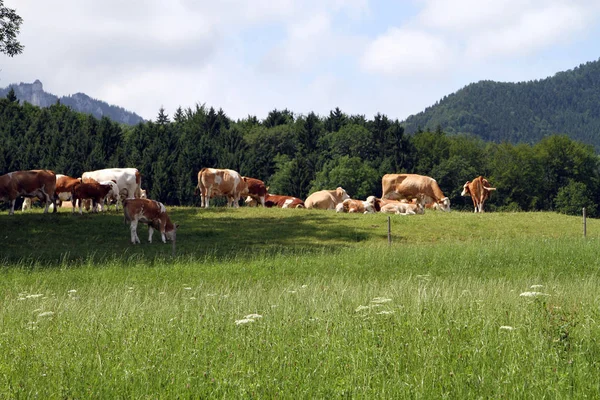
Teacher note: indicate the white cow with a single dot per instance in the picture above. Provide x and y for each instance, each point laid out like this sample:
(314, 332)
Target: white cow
(113, 195)
(128, 180)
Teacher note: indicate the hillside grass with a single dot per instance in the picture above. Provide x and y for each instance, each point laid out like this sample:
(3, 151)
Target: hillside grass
(87, 315)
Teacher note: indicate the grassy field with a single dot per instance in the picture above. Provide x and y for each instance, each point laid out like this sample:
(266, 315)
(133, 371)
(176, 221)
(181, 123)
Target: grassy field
(339, 313)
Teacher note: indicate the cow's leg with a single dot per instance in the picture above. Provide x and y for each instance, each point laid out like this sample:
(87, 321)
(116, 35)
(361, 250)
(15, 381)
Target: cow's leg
(133, 228)
(236, 201)
(150, 233)
(262, 200)
(12, 207)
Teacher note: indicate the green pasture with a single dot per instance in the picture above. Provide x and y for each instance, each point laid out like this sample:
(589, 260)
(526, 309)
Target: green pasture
(439, 313)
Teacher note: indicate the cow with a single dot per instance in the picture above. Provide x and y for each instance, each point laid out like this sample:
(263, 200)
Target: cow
(275, 200)
(479, 189)
(214, 182)
(143, 194)
(127, 179)
(112, 196)
(89, 189)
(152, 213)
(38, 183)
(64, 187)
(256, 189)
(371, 205)
(326, 199)
(402, 208)
(410, 186)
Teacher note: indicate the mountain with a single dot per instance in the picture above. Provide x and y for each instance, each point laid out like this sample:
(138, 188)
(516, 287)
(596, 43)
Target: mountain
(566, 103)
(34, 93)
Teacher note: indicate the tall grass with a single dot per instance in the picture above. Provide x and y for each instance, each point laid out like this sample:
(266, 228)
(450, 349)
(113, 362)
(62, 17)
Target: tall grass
(428, 317)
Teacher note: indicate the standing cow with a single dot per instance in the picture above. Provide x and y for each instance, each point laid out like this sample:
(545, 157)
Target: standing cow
(256, 189)
(479, 189)
(214, 182)
(410, 186)
(326, 199)
(152, 213)
(128, 180)
(38, 183)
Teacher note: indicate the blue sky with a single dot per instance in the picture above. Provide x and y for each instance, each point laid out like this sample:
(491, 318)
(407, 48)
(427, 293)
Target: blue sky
(250, 57)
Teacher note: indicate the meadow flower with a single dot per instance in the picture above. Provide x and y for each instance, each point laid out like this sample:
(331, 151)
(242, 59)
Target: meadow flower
(211, 294)
(187, 288)
(380, 300)
(304, 286)
(46, 314)
(533, 294)
(33, 296)
(130, 288)
(31, 325)
(161, 293)
(362, 308)
(506, 328)
(385, 312)
(536, 286)
(253, 316)
(72, 291)
(291, 291)
(243, 321)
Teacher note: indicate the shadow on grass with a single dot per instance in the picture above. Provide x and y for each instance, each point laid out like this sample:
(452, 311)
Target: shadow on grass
(217, 233)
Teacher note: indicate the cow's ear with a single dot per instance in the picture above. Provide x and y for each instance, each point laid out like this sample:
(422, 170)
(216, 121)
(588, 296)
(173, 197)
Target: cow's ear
(176, 226)
(114, 180)
(267, 189)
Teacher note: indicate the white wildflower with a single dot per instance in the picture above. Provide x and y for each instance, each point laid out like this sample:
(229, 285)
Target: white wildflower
(380, 300)
(385, 312)
(46, 314)
(130, 288)
(72, 291)
(187, 288)
(211, 294)
(192, 298)
(274, 305)
(243, 321)
(161, 293)
(291, 291)
(533, 294)
(33, 296)
(253, 316)
(304, 286)
(31, 325)
(362, 308)
(536, 286)
(507, 328)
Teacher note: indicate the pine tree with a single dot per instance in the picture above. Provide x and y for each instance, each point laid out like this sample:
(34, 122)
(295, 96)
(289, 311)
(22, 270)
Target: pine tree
(11, 96)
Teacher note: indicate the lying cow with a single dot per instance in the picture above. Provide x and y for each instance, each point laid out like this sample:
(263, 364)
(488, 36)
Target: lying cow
(479, 189)
(371, 205)
(326, 199)
(152, 213)
(38, 183)
(402, 208)
(92, 190)
(275, 200)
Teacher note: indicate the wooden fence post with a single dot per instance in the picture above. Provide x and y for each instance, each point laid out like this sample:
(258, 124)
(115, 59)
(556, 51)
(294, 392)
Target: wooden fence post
(584, 223)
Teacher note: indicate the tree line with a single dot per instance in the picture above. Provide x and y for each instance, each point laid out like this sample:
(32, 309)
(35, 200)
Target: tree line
(297, 154)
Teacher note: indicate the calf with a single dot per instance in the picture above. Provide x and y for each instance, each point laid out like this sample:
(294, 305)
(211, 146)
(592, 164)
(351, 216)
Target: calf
(402, 208)
(64, 187)
(112, 196)
(256, 189)
(370, 205)
(89, 190)
(152, 213)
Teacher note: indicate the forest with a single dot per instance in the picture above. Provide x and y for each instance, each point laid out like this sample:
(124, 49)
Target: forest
(298, 154)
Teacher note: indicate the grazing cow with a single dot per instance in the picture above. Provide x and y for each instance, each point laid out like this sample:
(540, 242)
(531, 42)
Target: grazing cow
(35, 183)
(89, 189)
(128, 180)
(274, 200)
(256, 189)
(152, 213)
(410, 186)
(112, 196)
(402, 208)
(214, 182)
(64, 187)
(326, 199)
(479, 189)
(368, 206)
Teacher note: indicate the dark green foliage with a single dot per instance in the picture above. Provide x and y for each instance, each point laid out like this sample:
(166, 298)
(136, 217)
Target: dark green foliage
(297, 155)
(10, 23)
(522, 112)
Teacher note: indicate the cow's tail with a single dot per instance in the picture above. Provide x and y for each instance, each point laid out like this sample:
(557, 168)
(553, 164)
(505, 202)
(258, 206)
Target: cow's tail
(138, 182)
(126, 211)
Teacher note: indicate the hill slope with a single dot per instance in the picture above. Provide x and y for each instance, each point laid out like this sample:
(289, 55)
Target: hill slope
(34, 93)
(566, 103)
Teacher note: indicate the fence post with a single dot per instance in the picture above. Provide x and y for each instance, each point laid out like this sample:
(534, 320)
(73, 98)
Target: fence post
(389, 230)
(584, 223)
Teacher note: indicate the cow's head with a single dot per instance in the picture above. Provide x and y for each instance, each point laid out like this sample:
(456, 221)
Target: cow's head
(444, 204)
(170, 234)
(341, 194)
(466, 191)
(250, 201)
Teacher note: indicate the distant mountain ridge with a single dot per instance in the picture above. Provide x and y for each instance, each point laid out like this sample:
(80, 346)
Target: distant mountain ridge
(34, 93)
(566, 103)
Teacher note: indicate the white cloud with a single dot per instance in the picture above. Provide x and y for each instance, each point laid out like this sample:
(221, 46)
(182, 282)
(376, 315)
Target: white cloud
(407, 52)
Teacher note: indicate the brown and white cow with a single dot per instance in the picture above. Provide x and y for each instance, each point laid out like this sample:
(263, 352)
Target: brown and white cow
(38, 183)
(255, 189)
(89, 189)
(410, 186)
(479, 189)
(214, 182)
(275, 200)
(400, 207)
(64, 187)
(371, 205)
(152, 213)
(128, 180)
(326, 199)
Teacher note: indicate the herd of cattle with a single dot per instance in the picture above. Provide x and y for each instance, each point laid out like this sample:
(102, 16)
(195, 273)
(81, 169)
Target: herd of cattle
(401, 194)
